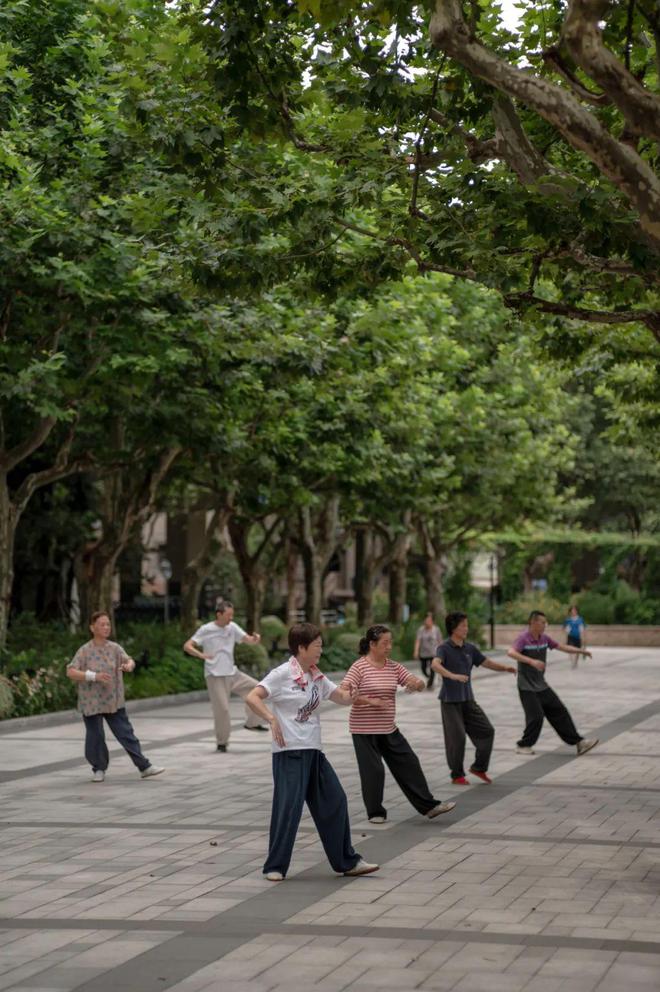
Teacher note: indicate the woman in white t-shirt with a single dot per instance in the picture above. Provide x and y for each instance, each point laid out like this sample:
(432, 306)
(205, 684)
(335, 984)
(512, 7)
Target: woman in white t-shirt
(301, 772)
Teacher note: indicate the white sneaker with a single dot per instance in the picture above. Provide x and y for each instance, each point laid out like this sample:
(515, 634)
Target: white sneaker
(583, 746)
(439, 809)
(152, 770)
(274, 876)
(362, 868)
(525, 750)
(98, 776)
(377, 819)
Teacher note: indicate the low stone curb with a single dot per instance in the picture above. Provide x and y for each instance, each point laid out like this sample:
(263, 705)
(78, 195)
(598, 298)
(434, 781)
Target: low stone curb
(132, 705)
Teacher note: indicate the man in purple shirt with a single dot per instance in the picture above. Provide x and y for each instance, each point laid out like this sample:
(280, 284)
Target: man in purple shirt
(537, 698)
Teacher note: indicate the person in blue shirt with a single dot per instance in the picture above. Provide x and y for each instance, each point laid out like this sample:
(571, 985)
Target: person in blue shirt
(461, 714)
(575, 628)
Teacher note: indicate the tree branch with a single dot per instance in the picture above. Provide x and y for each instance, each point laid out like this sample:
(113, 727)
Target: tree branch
(552, 57)
(524, 301)
(414, 253)
(581, 129)
(584, 39)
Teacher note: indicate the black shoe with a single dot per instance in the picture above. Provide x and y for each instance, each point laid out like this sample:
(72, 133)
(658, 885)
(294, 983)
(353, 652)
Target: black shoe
(259, 727)
(221, 747)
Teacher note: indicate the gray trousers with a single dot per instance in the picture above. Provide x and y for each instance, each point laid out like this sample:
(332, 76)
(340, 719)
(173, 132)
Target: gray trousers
(96, 750)
(220, 688)
(466, 719)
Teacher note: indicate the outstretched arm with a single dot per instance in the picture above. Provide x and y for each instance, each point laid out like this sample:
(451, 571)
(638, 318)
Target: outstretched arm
(251, 639)
(524, 660)
(495, 666)
(438, 667)
(569, 649)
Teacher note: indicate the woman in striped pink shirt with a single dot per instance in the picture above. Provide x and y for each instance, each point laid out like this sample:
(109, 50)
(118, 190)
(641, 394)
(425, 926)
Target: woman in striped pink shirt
(376, 737)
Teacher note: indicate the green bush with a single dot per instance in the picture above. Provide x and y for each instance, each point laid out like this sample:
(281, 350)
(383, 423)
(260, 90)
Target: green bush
(35, 665)
(252, 658)
(6, 698)
(273, 632)
(47, 691)
(518, 610)
(341, 652)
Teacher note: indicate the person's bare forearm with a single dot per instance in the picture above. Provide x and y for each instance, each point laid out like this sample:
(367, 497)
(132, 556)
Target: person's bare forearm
(257, 705)
(523, 659)
(569, 649)
(194, 652)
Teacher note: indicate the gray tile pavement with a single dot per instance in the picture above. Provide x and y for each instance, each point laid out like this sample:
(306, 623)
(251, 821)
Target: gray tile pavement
(548, 879)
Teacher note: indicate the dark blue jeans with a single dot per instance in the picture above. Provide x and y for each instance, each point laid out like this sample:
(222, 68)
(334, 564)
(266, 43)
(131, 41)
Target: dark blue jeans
(306, 776)
(96, 750)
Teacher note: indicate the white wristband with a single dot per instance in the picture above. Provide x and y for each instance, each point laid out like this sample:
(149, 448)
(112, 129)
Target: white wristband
(90, 676)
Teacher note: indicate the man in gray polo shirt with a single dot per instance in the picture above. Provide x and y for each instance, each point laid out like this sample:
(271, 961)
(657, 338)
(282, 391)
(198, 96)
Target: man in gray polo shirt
(461, 715)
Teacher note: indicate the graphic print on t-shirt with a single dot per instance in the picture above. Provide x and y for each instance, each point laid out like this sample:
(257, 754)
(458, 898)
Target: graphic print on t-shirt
(306, 711)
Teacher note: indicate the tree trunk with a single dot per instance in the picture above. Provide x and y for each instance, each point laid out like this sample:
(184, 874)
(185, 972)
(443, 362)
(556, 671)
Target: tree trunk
(318, 540)
(365, 576)
(398, 570)
(291, 570)
(254, 567)
(435, 590)
(255, 591)
(8, 523)
(313, 569)
(197, 570)
(99, 583)
(398, 587)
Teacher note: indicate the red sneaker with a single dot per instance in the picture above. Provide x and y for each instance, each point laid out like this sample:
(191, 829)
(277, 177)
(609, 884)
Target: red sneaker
(482, 775)
(461, 780)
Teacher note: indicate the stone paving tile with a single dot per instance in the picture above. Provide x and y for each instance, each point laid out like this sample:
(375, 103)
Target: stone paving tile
(188, 848)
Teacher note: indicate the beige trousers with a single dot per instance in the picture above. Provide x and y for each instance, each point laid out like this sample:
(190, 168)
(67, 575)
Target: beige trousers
(220, 688)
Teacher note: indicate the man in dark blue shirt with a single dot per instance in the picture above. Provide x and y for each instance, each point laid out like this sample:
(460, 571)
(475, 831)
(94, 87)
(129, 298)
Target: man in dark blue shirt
(461, 715)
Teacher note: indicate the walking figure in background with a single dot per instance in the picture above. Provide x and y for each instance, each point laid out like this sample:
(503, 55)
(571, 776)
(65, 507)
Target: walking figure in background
(301, 772)
(426, 642)
(214, 644)
(461, 715)
(376, 737)
(575, 629)
(538, 700)
(98, 668)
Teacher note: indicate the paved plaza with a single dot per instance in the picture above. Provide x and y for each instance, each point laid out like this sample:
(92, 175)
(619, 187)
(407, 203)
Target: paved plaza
(547, 880)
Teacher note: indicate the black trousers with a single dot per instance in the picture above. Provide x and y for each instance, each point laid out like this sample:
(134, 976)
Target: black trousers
(96, 750)
(427, 671)
(459, 720)
(546, 703)
(306, 776)
(371, 750)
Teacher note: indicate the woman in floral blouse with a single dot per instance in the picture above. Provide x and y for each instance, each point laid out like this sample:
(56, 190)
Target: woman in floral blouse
(97, 668)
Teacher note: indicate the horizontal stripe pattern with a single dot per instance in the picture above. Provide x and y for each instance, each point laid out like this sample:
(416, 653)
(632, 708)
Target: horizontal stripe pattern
(380, 683)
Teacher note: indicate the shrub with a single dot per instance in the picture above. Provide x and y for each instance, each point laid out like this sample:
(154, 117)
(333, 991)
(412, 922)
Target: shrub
(6, 698)
(273, 631)
(252, 658)
(518, 610)
(342, 651)
(47, 691)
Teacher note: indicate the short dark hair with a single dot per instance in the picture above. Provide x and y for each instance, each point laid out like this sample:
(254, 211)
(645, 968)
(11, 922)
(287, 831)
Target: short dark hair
(372, 636)
(452, 621)
(97, 616)
(301, 635)
(536, 613)
(222, 604)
